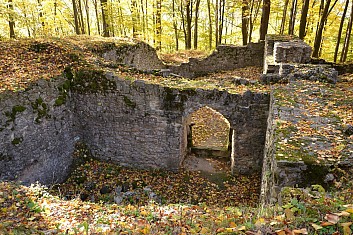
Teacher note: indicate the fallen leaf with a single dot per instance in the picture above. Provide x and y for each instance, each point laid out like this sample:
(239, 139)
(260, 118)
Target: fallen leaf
(281, 232)
(289, 214)
(316, 227)
(325, 224)
(232, 224)
(332, 218)
(300, 231)
(346, 228)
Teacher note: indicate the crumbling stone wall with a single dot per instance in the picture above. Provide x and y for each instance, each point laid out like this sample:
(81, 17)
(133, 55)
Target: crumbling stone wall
(134, 124)
(139, 55)
(143, 57)
(226, 57)
(145, 125)
(36, 134)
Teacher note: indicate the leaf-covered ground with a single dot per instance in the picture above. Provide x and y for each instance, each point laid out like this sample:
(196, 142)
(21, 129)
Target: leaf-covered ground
(37, 210)
(312, 118)
(210, 129)
(25, 61)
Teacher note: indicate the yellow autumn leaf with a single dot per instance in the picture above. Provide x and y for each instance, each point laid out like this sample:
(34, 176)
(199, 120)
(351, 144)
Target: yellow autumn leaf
(346, 228)
(204, 230)
(241, 228)
(349, 210)
(260, 221)
(143, 213)
(145, 230)
(289, 214)
(229, 230)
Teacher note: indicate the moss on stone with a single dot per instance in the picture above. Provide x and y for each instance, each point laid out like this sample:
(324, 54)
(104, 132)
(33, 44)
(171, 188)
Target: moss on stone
(129, 102)
(91, 81)
(17, 141)
(173, 101)
(15, 110)
(60, 100)
(40, 108)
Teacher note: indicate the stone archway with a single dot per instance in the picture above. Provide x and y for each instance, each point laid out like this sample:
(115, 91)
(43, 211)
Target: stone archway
(208, 140)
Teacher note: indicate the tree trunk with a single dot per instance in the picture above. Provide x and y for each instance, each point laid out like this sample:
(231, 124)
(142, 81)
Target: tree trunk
(11, 20)
(175, 26)
(106, 31)
(196, 23)
(143, 20)
(74, 8)
(87, 17)
(216, 21)
(319, 33)
(303, 18)
(81, 21)
(41, 18)
(340, 31)
(158, 25)
(347, 39)
(221, 20)
(266, 8)
(209, 25)
(253, 17)
(97, 16)
(188, 24)
(293, 14)
(245, 21)
(284, 16)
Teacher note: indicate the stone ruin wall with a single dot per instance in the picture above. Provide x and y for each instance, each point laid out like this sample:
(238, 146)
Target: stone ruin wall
(226, 57)
(36, 136)
(130, 123)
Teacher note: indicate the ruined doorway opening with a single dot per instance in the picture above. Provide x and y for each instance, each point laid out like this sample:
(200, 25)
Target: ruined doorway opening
(209, 141)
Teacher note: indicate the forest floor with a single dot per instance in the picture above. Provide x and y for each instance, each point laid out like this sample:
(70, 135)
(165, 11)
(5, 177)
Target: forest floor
(159, 202)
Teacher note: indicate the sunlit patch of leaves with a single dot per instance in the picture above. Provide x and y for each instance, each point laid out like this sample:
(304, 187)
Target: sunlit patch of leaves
(311, 120)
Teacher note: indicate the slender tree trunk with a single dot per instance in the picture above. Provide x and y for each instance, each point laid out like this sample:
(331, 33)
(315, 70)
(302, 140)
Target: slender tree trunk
(97, 16)
(245, 21)
(216, 21)
(41, 16)
(87, 17)
(188, 24)
(340, 31)
(143, 20)
(11, 20)
(209, 24)
(284, 16)
(266, 8)
(293, 14)
(196, 23)
(303, 19)
(82, 24)
(74, 8)
(318, 37)
(106, 26)
(158, 25)
(221, 20)
(253, 17)
(347, 38)
(175, 26)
